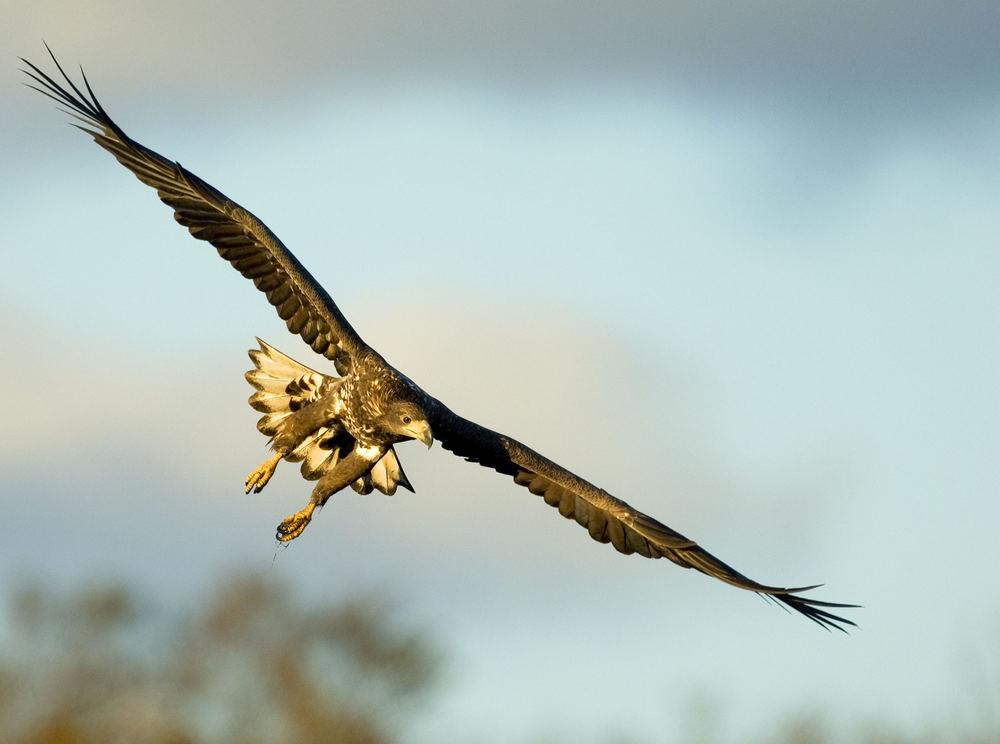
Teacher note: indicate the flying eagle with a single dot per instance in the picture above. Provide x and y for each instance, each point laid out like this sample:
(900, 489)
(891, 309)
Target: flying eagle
(343, 427)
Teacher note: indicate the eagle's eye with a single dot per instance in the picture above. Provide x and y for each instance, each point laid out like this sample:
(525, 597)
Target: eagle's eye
(406, 419)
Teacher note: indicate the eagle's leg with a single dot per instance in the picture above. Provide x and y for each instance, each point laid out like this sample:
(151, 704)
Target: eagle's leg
(259, 477)
(346, 471)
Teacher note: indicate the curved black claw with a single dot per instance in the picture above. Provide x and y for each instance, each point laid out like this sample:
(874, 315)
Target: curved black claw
(293, 526)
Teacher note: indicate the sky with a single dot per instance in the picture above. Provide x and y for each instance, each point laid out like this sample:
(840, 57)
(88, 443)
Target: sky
(736, 265)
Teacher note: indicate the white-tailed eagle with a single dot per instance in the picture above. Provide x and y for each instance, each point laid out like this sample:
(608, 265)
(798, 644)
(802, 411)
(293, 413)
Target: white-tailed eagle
(343, 427)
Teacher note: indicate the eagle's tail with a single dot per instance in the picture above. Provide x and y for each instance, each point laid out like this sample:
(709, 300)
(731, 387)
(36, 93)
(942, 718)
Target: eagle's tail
(282, 388)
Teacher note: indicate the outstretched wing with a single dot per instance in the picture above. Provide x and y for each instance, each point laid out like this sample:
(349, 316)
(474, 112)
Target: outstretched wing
(606, 518)
(210, 215)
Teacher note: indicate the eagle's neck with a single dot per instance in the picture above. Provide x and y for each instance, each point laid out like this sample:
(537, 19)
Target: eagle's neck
(368, 390)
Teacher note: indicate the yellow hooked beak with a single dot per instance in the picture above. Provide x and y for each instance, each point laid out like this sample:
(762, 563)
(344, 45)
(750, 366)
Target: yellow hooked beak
(421, 430)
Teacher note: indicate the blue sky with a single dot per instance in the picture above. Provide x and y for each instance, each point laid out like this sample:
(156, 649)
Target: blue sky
(737, 266)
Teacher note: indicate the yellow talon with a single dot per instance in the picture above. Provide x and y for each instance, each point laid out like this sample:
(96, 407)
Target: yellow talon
(292, 526)
(259, 477)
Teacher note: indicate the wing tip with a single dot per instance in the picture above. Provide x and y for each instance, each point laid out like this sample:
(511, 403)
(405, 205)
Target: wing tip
(814, 609)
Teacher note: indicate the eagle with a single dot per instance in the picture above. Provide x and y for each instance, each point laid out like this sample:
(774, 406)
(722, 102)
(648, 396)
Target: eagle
(343, 427)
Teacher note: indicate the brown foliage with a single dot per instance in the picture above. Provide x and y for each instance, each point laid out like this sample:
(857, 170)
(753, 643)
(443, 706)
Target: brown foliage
(252, 665)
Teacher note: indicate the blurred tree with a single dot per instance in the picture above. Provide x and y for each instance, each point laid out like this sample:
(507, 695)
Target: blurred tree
(251, 666)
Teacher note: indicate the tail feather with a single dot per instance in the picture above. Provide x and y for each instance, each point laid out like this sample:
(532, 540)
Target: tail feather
(387, 474)
(282, 385)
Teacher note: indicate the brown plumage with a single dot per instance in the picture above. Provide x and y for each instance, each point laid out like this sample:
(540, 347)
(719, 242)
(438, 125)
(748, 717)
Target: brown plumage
(343, 429)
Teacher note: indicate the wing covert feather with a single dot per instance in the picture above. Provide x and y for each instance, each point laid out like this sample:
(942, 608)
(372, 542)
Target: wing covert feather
(606, 518)
(210, 215)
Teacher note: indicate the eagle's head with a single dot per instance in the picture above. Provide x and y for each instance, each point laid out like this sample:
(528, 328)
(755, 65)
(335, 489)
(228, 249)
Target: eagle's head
(407, 420)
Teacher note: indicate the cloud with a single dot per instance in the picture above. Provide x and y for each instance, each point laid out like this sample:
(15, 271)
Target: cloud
(854, 53)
